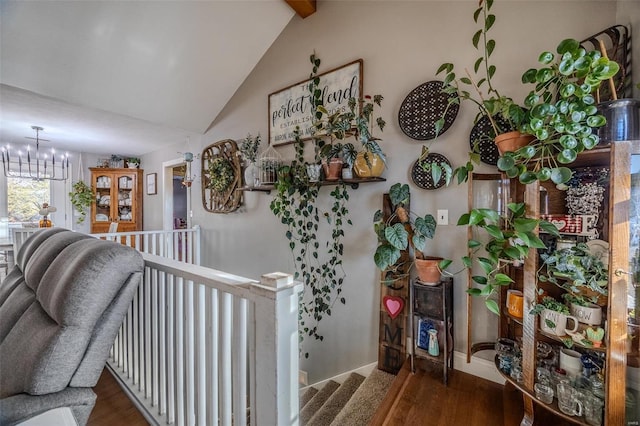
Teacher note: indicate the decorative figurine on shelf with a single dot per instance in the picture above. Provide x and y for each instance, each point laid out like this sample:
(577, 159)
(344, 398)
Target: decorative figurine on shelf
(434, 348)
(44, 211)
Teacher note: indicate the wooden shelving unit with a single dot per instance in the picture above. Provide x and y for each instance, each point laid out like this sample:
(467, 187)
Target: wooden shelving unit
(615, 230)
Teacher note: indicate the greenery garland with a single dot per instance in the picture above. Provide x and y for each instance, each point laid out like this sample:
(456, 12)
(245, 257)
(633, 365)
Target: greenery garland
(221, 174)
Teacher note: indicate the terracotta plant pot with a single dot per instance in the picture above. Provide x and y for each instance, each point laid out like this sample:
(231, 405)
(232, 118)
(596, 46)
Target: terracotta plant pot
(333, 170)
(428, 270)
(363, 169)
(512, 141)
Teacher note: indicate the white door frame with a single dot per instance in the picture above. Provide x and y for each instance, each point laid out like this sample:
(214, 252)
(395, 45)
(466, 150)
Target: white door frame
(167, 194)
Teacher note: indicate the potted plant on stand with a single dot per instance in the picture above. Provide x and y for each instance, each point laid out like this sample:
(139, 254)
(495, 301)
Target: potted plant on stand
(401, 231)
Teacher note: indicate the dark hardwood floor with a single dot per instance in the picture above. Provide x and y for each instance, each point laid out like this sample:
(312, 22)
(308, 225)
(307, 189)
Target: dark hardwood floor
(421, 399)
(113, 407)
(414, 399)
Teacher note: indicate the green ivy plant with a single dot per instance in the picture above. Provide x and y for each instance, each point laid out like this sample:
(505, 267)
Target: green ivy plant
(315, 236)
(509, 242)
(82, 196)
(573, 269)
(561, 113)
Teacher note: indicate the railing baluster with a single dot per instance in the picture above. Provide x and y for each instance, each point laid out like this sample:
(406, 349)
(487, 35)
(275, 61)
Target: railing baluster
(200, 348)
(213, 413)
(162, 344)
(154, 338)
(189, 354)
(147, 321)
(130, 349)
(179, 350)
(225, 360)
(240, 361)
(171, 350)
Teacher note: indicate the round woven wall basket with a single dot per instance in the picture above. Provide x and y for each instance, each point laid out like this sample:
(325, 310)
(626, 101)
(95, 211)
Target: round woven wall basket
(422, 107)
(423, 178)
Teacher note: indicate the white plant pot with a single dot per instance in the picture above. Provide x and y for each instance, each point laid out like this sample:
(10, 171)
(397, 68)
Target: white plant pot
(591, 314)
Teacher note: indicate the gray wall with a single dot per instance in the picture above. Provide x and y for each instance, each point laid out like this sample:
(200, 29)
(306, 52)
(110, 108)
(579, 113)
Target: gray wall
(402, 44)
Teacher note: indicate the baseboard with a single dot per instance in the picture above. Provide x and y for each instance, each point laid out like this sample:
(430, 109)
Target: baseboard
(365, 370)
(478, 367)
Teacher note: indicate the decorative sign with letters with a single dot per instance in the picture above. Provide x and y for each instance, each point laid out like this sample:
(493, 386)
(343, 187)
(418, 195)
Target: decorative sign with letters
(291, 106)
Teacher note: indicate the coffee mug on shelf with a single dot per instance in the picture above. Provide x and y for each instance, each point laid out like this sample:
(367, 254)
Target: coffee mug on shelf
(568, 400)
(557, 323)
(570, 362)
(515, 303)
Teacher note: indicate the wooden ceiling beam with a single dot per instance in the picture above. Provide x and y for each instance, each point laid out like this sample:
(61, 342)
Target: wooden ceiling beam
(303, 8)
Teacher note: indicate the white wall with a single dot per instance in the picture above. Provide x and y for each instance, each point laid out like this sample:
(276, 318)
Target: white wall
(628, 13)
(402, 44)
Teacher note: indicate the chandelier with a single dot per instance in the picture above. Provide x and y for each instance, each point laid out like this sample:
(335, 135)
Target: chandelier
(38, 166)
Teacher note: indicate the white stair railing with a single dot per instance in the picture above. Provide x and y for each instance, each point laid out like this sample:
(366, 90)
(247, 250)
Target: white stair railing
(178, 244)
(203, 347)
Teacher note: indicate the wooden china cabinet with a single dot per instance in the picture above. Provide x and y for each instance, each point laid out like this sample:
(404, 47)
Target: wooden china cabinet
(619, 225)
(118, 199)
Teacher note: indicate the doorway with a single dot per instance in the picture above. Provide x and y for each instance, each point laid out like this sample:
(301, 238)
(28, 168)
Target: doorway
(176, 197)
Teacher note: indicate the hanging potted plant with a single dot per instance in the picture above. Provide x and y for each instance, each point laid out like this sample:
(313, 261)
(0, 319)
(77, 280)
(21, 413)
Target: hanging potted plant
(81, 196)
(504, 115)
(561, 113)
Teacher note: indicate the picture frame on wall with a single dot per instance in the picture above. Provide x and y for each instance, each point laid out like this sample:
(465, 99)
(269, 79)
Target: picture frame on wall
(152, 183)
(291, 107)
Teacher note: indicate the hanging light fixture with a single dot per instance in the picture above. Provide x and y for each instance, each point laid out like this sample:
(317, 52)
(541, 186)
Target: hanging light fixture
(38, 166)
(188, 179)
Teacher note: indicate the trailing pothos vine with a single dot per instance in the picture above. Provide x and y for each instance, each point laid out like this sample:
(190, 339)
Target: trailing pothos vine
(317, 259)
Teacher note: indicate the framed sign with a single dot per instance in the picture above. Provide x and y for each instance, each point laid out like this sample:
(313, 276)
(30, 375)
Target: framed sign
(151, 183)
(291, 106)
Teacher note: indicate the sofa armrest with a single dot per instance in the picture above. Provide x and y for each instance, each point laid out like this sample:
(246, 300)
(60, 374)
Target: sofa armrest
(18, 408)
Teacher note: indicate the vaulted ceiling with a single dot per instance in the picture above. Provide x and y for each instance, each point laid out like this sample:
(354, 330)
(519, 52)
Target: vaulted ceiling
(130, 76)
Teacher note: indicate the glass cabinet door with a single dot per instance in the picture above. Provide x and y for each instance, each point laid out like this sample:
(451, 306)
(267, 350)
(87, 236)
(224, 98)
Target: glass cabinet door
(102, 185)
(126, 194)
(632, 402)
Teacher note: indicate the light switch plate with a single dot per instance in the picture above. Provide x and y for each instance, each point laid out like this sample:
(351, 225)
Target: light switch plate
(443, 217)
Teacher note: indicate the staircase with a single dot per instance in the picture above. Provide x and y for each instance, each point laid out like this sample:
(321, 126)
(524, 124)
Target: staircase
(353, 402)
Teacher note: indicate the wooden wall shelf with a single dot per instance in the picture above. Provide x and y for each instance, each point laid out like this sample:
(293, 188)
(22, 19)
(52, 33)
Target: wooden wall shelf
(353, 183)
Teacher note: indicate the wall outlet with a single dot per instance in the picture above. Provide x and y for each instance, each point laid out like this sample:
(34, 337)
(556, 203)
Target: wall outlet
(443, 217)
(303, 379)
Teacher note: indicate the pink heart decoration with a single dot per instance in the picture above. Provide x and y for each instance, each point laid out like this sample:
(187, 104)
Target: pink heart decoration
(393, 305)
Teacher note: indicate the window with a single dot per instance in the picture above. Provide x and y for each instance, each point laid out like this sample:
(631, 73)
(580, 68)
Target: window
(25, 198)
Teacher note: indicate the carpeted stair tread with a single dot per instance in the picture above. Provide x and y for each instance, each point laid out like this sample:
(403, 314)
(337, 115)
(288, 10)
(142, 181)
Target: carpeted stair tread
(336, 402)
(306, 396)
(365, 401)
(317, 401)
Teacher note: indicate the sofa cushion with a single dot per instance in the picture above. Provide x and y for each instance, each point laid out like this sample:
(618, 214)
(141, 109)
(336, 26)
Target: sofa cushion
(77, 282)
